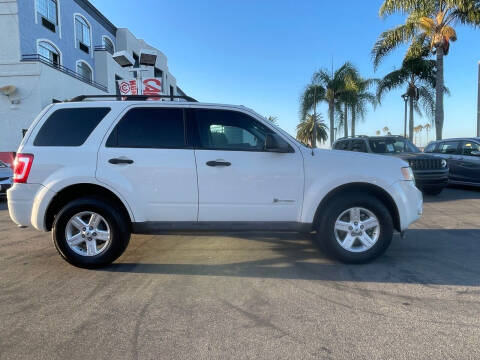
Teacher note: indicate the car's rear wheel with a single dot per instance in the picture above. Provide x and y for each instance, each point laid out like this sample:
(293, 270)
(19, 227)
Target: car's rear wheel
(354, 228)
(90, 232)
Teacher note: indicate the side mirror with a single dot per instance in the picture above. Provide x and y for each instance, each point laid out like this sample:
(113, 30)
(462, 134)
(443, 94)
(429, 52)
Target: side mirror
(475, 153)
(274, 143)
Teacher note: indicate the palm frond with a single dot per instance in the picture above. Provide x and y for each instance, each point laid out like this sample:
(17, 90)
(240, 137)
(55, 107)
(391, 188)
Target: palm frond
(391, 39)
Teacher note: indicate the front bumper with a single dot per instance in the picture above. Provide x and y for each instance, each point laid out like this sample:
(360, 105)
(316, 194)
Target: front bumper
(409, 202)
(5, 185)
(431, 178)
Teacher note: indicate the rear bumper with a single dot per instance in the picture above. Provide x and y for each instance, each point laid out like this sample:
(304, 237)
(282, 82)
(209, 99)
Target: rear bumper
(431, 178)
(27, 204)
(409, 202)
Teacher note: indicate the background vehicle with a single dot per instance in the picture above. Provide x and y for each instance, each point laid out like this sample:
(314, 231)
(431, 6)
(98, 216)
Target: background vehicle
(6, 178)
(463, 156)
(431, 173)
(92, 172)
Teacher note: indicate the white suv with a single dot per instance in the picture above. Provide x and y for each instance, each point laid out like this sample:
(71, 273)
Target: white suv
(93, 172)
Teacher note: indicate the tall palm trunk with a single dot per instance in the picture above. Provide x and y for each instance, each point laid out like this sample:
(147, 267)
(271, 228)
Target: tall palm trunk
(353, 120)
(345, 121)
(410, 123)
(331, 113)
(314, 132)
(439, 114)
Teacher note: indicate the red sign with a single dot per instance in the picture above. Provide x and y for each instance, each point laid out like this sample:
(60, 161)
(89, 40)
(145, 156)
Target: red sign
(150, 86)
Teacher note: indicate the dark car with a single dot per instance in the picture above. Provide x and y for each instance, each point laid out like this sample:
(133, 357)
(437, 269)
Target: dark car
(6, 176)
(463, 157)
(431, 172)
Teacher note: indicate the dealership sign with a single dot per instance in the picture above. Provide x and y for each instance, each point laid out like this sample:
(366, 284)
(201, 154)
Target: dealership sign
(149, 86)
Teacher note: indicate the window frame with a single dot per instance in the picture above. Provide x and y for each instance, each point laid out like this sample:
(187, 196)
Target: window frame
(467, 142)
(440, 144)
(105, 37)
(195, 133)
(76, 40)
(77, 63)
(114, 129)
(55, 47)
(57, 13)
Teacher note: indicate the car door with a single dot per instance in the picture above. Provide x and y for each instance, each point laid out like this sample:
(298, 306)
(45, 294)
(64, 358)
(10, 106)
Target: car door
(147, 160)
(450, 150)
(237, 179)
(469, 165)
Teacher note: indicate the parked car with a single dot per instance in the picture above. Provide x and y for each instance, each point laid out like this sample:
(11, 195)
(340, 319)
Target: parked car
(463, 156)
(93, 172)
(6, 178)
(431, 173)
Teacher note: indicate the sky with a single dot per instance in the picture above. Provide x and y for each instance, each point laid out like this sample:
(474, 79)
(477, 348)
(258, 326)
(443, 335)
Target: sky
(262, 54)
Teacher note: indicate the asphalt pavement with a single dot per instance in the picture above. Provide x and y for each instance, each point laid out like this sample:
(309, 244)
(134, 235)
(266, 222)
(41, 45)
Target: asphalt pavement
(248, 295)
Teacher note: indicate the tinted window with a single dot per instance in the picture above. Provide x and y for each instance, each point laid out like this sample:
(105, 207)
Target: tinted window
(392, 146)
(450, 147)
(341, 145)
(149, 128)
(358, 145)
(468, 147)
(230, 130)
(69, 127)
(430, 148)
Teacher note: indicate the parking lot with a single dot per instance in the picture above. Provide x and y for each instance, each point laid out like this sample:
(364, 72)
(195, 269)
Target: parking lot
(255, 295)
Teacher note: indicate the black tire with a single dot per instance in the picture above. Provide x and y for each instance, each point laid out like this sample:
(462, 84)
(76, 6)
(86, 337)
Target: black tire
(325, 228)
(432, 190)
(119, 228)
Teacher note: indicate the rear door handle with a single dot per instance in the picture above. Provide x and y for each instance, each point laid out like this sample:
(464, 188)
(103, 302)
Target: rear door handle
(218, 163)
(117, 161)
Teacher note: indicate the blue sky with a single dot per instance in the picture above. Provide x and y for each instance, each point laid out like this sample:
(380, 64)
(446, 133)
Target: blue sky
(262, 53)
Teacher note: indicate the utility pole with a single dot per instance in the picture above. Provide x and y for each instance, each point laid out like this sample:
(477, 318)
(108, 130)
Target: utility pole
(478, 102)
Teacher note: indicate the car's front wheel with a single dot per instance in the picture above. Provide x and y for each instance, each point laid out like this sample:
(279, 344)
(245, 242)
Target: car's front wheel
(90, 232)
(355, 228)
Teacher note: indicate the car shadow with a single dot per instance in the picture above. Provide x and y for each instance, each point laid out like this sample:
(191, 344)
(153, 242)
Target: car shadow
(425, 256)
(454, 193)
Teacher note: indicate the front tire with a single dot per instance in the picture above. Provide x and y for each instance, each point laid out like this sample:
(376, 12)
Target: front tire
(90, 232)
(354, 228)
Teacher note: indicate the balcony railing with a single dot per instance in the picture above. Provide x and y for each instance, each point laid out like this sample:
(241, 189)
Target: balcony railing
(48, 62)
(104, 48)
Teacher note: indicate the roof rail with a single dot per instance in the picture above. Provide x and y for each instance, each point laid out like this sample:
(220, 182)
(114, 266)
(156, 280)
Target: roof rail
(132, 97)
(351, 137)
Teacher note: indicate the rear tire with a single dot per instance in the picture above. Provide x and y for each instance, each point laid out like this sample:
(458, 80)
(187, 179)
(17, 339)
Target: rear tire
(92, 246)
(350, 235)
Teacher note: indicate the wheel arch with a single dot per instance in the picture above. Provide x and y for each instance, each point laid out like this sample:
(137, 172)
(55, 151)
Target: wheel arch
(364, 188)
(76, 191)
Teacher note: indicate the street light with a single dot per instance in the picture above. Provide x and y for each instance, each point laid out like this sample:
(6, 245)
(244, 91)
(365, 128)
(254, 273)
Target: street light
(147, 58)
(478, 103)
(123, 59)
(405, 98)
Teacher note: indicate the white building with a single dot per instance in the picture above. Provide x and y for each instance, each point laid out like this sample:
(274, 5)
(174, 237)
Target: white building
(56, 50)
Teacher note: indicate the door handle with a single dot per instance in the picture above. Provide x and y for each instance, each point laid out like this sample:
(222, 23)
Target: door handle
(218, 163)
(118, 161)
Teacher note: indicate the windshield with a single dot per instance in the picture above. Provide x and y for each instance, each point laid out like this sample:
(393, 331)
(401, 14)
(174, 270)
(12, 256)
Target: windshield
(392, 146)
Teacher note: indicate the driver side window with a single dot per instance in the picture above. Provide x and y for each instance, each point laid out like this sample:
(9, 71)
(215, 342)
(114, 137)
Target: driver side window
(229, 130)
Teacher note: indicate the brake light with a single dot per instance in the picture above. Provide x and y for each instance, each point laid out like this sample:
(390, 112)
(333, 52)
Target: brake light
(21, 167)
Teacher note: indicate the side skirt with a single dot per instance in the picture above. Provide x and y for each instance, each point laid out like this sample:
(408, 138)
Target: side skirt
(157, 227)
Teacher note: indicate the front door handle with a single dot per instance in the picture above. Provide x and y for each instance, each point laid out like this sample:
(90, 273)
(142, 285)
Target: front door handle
(218, 163)
(117, 161)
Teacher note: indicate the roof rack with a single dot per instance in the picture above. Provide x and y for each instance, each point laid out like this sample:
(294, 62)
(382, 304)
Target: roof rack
(350, 137)
(132, 97)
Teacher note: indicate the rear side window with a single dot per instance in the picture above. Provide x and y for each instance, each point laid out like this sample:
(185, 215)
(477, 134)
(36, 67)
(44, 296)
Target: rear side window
(149, 128)
(449, 147)
(341, 145)
(69, 127)
(358, 145)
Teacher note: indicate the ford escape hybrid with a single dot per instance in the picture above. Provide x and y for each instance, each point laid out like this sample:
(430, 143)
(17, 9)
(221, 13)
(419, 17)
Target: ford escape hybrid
(93, 172)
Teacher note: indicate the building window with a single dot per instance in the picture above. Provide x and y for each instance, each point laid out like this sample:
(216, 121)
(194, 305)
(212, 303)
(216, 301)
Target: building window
(108, 45)
(48, 53)
(82, 30)
(158, 73)
(47, 9)
(84, 70)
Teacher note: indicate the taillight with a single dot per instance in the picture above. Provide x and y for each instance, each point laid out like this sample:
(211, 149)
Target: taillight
(21, 167)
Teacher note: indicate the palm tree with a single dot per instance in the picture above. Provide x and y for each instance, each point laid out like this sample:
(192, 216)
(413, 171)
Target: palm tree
(378, 132)
(386, 130)
(418, 75)
(326, 87)
(311, 128)
(428, 22)
(418, 129)
(427, 128)
(273, 119)
(361, 96)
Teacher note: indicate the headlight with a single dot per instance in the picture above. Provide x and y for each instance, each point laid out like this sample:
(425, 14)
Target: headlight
(444, 163)
(408, 174)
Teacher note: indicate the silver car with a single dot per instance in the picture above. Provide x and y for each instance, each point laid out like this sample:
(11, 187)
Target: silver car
(6, 178)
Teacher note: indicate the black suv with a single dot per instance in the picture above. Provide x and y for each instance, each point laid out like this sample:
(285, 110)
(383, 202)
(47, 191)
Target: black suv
(463, 157)
(431, 172)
